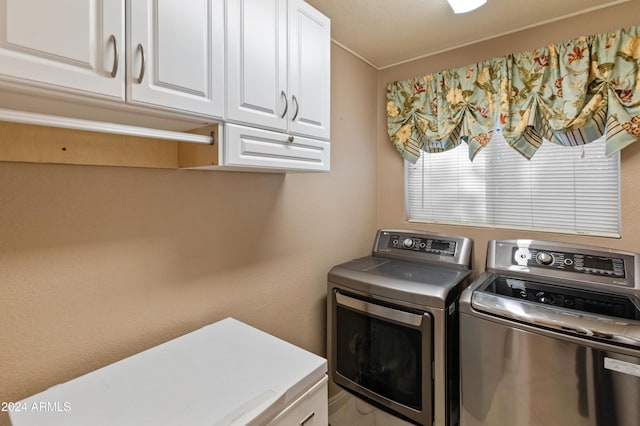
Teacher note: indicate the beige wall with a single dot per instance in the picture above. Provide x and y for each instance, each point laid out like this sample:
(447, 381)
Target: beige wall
(390, 164)
(98, 263)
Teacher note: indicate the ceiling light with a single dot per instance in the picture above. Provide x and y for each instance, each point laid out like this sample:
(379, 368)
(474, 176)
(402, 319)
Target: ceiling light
(462, 6)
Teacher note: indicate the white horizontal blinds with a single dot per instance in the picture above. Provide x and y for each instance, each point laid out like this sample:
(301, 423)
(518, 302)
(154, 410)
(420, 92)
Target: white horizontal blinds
(562, 189)
(598, 191)
(472, 187)
(443, 188)
(553, 186)
(508, 189)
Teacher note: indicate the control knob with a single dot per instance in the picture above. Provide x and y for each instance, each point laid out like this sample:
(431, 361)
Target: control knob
(547, 299)
(408, 243)
(544, 258)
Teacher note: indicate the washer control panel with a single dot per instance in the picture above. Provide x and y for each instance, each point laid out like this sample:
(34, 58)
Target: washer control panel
(570, 262)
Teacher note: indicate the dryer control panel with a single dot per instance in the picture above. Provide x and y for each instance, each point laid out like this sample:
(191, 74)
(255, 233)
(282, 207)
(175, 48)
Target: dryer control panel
(420, 246)
(427, 245)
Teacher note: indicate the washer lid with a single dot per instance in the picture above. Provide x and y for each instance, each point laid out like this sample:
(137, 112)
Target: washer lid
(406, 282)
(607, 317)
(571, 298)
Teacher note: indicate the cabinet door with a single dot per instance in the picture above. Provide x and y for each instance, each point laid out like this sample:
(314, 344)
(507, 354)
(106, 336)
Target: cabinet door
(311, 409)
(176, 54)
(309, 70)
(76, 46)
(257, 62)
(251, 147)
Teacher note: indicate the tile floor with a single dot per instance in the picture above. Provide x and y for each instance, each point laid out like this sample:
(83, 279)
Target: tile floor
(347, 410)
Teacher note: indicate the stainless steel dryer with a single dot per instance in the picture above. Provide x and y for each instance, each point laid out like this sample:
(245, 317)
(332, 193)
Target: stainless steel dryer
(550, 335)
(393, 324)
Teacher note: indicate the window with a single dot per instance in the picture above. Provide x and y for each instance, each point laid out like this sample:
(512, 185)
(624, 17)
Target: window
(571, 190)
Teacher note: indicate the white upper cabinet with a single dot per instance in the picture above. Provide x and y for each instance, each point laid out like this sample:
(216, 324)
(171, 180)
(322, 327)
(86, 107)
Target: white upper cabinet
(278, 66)
(173, 61)
(257, 62)
(176, 55)
(261, 67)
(309, 71)
(76, 46)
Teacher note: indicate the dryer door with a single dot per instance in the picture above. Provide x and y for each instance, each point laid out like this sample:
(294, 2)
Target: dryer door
(383, 353)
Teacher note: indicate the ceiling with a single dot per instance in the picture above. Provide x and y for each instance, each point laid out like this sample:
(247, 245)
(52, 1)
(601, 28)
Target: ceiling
(387, 32)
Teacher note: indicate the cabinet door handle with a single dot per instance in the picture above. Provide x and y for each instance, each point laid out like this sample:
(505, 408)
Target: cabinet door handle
(286, 103)
(116, 56)
(306, 419)
(142, 67)
(297, 107)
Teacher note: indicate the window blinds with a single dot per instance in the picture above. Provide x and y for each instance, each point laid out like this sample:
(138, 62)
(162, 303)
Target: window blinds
(571, 190)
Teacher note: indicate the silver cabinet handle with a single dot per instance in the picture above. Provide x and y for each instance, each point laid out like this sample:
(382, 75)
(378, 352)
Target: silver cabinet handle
(297, 107)
(116, 56)
(286, 103)
(306, 419)
(141, 75)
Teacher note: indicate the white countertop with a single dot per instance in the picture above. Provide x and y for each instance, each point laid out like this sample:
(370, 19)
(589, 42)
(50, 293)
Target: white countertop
(226, 373)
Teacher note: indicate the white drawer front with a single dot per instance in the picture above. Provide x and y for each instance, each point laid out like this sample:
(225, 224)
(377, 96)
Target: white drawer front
(247, 146)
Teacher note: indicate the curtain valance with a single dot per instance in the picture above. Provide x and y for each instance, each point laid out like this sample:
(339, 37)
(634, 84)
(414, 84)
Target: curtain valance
(569, 93)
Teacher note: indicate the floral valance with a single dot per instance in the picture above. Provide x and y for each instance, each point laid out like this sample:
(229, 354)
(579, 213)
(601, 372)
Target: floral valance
(569, 93)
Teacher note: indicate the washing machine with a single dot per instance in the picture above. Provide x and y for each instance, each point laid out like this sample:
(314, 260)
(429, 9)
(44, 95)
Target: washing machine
(550, 335)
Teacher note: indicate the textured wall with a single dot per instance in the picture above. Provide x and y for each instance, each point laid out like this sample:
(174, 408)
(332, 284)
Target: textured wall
(98, 263)
(391, 167)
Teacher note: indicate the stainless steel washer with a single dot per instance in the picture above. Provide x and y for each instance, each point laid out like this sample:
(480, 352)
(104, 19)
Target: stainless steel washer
(550, 335)
(393, 324)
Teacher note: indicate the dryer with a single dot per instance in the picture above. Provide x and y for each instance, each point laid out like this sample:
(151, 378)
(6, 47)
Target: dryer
(393, 324)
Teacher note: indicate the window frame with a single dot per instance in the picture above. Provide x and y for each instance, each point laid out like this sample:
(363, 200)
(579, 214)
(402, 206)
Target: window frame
(491, 224)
